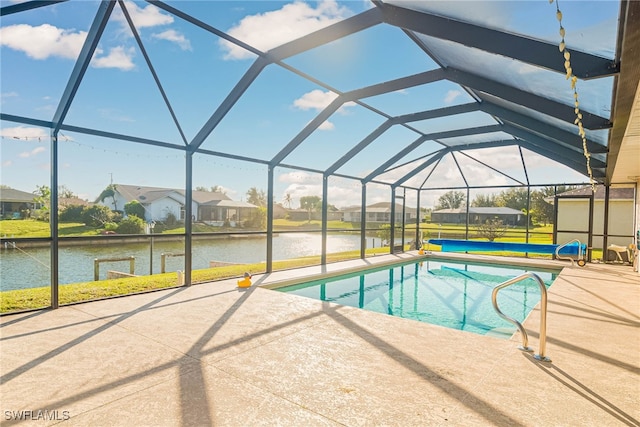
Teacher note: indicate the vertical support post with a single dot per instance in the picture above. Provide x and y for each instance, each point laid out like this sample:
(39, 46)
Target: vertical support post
(528, 219)
(404, 214)
(418, 238)
(605, 226)
(590, 238)
(269, 266)
(151, 251)
(392, 221)
(132, 265)
(325, 207)
(53, 220)
(188, 216)
(466, 231)
(163, 262)
(526, 239)
(96, 269)
(363, 222)
(555, 216)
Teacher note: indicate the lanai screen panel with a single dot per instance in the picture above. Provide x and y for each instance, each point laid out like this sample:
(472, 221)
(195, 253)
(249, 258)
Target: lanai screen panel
(595, 94)
(590, 26)
(504, 159)
(479, 172)
(363, 58)
(255, 126)
(334, 137)
(24, 61)
(452, 122)
(378, 151)
(601, 136)
(438, 94)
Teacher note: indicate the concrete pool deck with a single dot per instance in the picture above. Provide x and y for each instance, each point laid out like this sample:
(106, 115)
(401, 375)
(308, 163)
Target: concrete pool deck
(212, 354)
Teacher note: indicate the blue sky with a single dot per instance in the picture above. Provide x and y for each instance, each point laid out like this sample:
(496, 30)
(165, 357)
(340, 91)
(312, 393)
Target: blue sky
(197, 70)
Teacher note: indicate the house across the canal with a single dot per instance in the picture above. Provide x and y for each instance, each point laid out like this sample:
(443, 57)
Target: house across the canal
(214, 208)
(16, 204)
(478, 215)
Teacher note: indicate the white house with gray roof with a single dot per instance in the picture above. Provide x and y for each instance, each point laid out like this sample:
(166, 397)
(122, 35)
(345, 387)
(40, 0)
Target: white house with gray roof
(211, 207)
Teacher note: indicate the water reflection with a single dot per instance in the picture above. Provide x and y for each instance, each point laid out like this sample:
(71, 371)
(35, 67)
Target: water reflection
(30, 267)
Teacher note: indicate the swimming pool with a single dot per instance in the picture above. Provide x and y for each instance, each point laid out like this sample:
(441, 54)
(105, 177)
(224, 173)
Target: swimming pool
(446, 293)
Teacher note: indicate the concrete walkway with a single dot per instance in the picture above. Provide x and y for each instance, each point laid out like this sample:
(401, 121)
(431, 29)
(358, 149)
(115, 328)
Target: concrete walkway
(211, 354)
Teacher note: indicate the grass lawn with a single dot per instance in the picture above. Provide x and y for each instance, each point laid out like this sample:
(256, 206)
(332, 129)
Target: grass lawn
(34, 298)
(33, 228)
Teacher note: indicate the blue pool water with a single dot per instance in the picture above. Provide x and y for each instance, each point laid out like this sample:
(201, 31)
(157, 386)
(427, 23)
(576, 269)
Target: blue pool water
(446, 293)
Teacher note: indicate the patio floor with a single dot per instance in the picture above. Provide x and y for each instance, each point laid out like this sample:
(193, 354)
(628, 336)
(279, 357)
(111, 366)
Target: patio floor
(212, 354)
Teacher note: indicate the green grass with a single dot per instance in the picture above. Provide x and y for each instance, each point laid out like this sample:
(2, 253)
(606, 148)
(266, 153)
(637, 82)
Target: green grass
(33, 228)
(34, 298)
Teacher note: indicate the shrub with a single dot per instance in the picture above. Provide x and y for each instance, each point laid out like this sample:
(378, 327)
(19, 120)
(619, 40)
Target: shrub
(72, 213)
(97, 216)
(171, 221)
(131, 225)
(134, 207)
(110, 226)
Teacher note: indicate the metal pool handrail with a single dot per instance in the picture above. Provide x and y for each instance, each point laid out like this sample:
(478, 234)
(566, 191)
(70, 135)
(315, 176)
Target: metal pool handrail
(543, 313)
(573, 263)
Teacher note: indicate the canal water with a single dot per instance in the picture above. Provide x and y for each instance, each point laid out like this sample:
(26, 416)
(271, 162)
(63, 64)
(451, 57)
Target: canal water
(30, 267)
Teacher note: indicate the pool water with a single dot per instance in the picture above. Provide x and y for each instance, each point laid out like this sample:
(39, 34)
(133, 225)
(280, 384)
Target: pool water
(448, 294)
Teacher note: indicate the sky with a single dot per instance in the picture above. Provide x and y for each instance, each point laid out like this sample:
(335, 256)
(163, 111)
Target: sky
(197, 70)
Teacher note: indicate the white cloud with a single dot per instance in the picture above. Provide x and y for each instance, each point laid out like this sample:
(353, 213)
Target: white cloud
(326, 125)
(118, 57)
(341, 194)
(23, 132)
(451, 96)
(7, 163)
(270, 29)
(318, 100)
(143, 17)
(34, 152)
(46, 41)
(300, 178)
(175, 37)
(314, 100)
(43, 41)
(9, 95)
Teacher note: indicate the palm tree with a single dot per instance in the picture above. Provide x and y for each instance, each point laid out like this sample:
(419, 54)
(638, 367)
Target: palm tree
(287, 200)
(110, 191)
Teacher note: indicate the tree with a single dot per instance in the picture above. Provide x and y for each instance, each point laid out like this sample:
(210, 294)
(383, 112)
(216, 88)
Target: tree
(514, 198)
(64, 192)
(484, 200)
(43, 198)
(97, 216)
(134, 208)
(492, 229)
(110, 191)
(384, 234)
(256, 197)
(257, 218)
(287, 200)
(451, 200)
(212, 189)
(310, 204)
